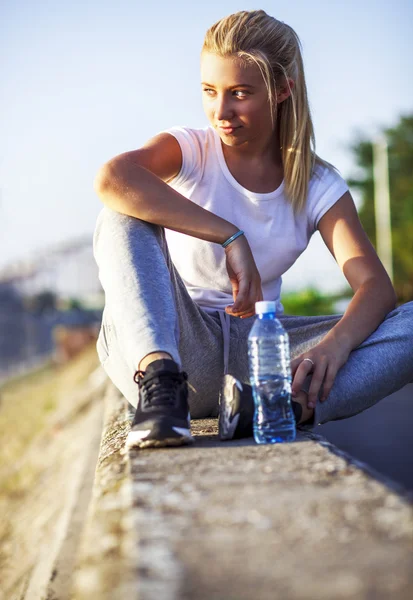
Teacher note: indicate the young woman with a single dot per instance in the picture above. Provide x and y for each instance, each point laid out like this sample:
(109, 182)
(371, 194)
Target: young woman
(200, 224)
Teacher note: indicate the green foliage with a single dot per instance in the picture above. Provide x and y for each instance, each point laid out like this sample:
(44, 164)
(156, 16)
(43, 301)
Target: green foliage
(400, 151)
(308, 302)
(74, 304)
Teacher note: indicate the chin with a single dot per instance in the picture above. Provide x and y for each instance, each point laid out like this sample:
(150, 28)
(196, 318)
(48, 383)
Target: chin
(229, 140)
(232, 142)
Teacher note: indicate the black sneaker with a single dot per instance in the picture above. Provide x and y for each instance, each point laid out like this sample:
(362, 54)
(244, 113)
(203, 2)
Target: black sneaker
(162, 416)
(236, 409)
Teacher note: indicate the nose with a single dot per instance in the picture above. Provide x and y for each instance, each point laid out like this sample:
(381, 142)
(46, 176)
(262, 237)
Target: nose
(223, 108)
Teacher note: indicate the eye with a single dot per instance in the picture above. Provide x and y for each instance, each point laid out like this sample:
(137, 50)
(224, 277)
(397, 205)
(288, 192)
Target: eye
(242, 92)
(238, 93)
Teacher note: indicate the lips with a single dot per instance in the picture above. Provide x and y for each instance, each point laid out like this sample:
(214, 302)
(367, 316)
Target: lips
(228, 130)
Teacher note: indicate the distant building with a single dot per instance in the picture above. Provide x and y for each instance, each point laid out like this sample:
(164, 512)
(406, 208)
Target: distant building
(67, 271)
(24, 337)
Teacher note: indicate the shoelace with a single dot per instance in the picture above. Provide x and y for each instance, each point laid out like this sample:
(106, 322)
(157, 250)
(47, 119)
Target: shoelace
(159, 389)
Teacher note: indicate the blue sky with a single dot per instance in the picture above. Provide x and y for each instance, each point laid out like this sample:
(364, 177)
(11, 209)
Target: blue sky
(84, 81)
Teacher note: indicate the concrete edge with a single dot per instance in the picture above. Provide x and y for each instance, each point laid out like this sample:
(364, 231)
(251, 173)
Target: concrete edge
(394, 486)
(107, 561)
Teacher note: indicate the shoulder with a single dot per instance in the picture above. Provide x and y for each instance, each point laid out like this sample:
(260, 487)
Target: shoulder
(324, 174)
(194, 144)
(326, 187)
(194, 137)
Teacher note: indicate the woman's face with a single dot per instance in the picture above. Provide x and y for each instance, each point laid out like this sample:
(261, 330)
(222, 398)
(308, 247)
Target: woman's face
(235, 97)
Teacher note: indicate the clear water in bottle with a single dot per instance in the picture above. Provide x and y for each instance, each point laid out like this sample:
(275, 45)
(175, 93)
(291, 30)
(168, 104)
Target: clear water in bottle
(270, 373)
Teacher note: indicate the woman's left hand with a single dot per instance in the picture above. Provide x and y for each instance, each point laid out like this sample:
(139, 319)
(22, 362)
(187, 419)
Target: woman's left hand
(325, 360)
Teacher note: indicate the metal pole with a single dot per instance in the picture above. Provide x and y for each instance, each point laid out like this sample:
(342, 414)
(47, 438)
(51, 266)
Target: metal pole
(382, 204)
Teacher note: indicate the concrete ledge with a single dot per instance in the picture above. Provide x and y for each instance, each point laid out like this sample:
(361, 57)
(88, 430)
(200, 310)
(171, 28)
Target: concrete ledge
(234, 521)
(107, 563)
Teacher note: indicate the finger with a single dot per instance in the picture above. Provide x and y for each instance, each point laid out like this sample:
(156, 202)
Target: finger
(254, 296)
(328, 382)
(247, 314)
(298, 360)
(316, 382)
(235, 288)
(303, 369)
(241, 303)
(294, 364)
(242, 315)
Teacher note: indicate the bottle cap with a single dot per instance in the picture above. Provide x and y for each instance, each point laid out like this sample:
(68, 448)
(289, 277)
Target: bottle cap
(264, 306)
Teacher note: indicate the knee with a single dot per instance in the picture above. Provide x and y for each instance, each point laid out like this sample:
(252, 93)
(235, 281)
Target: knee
(108, 221)
(109, 218)
(115, 230)
(404, 315)
(406, 309)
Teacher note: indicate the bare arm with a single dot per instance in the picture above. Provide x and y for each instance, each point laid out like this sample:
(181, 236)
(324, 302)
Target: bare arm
(134, 184)
(373, 298)
(374, 295)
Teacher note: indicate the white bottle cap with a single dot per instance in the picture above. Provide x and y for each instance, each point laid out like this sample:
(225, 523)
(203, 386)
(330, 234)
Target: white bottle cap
(264, 306)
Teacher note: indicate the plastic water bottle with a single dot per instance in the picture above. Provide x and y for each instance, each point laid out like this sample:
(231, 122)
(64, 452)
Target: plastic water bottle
(270, 372)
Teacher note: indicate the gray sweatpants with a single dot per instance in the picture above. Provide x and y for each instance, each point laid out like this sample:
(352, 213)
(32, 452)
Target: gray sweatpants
(148, 309)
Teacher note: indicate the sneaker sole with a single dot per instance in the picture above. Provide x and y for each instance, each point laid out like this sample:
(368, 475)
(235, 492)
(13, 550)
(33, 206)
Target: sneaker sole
(226, 425)
(135, 439)
(172, 442)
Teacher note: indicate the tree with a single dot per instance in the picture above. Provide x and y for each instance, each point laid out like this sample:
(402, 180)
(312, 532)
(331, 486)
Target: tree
(400, 145)
(308, 302)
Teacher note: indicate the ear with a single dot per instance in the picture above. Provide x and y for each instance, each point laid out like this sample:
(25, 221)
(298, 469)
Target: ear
(284, 90)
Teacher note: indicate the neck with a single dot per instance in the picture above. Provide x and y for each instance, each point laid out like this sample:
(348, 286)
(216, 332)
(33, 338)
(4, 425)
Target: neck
(264, 153)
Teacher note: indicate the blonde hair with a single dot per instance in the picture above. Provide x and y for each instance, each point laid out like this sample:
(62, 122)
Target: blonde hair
(275, 48)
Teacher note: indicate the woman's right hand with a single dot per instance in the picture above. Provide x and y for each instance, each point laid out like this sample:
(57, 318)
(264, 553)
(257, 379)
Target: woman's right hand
(244, 277)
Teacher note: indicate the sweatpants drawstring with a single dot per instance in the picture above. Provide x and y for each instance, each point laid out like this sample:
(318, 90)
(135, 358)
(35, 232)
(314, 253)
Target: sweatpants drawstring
(226, 325)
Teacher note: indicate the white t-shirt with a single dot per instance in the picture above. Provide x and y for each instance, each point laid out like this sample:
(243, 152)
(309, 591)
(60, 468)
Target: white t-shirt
(276, 236)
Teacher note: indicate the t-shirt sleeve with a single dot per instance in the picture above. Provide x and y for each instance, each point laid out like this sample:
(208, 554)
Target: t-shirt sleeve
(326, 187)
(190, 141)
